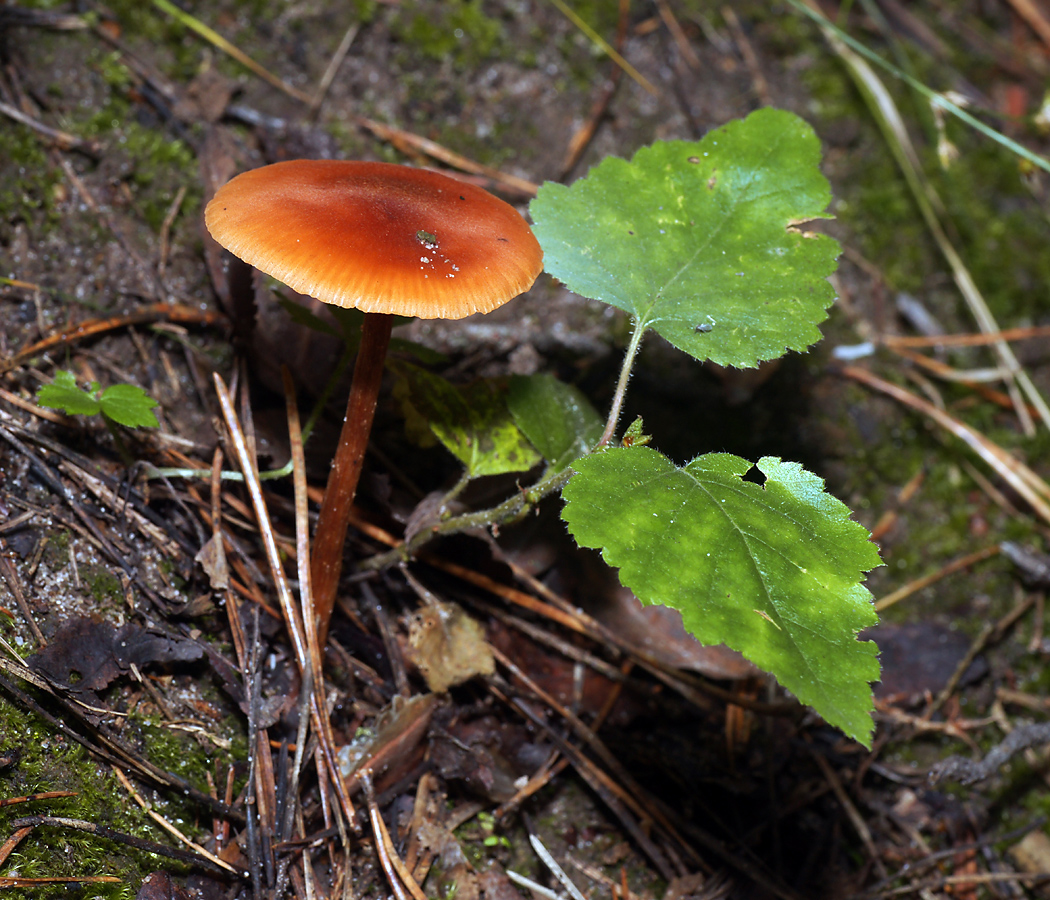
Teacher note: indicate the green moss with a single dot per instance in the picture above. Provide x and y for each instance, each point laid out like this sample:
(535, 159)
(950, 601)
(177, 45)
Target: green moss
(52, 763)
(459, 30)
(365, 11)
(105, 587)
(1001, 230)
(56, 551)
(156, 165)
(27, 181)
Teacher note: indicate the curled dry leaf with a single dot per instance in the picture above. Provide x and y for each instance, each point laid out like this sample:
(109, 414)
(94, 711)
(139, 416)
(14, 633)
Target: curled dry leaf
(212, 558)
(448, 646)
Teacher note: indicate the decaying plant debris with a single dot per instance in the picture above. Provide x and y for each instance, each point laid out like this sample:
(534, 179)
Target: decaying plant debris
(497, 696)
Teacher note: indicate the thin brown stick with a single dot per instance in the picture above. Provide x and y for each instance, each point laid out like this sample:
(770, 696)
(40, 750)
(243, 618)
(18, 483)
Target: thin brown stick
(685, 49)
(291, 614)
(750, 57)
(1035, 18)
(13, 841)
(1013, 471)
(854, 816)
(965, 340)
(406, 141)
(15, 586)
(333, 66)
(61, 139)
(8, 881)
(950, 373)
(956, 565)
(165, 228)
(155, 312)
(325, 737)
(302, 531)
(383, 844)
(43, 795)
(49, 415)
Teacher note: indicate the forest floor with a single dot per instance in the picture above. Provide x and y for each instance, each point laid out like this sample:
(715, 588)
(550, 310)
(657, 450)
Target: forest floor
(147, 675)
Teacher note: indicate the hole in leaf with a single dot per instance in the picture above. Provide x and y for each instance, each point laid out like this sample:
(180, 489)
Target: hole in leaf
(755, 476)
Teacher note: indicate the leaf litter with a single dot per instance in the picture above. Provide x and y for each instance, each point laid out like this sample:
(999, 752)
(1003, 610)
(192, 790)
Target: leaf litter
(84, 539)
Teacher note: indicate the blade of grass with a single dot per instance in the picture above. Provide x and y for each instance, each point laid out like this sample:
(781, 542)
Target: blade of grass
(634, 74)
(1015, 473)
(892, 126)
(935, 98)
(217, 40)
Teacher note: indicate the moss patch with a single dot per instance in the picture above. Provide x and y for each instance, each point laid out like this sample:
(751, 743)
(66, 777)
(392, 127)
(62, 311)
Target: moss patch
(49, 762)
(459, 30)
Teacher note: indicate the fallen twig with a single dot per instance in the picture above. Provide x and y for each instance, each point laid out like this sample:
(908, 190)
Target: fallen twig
(155, 312)
(1021, 478)
(121, 838)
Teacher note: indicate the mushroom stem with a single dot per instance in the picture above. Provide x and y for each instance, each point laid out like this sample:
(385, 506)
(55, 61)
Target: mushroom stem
(326, 559)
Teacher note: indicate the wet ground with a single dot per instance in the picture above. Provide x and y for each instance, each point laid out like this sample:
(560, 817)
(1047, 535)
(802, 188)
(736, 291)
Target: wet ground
(100, 216)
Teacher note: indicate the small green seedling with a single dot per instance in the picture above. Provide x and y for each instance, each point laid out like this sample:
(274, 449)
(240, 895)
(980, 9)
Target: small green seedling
(701, 242)
(119, 404)
(125, 404)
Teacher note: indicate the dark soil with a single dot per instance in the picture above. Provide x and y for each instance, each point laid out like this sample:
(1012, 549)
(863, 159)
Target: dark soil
(119, 123)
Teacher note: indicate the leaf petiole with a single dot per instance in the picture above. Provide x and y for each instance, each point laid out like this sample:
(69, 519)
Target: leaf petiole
(639, 329)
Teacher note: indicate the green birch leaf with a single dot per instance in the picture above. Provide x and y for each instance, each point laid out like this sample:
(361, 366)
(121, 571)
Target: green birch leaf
(64, 394)
(556, 417)
(773, 570)
(129, 405)
(695, 239)
(473, 422)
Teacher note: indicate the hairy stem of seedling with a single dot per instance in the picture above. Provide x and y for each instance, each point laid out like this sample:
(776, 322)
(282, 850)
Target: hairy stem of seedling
(326, 558)
(118, 441)
(621, 385)
(269, 474)
(454, 492)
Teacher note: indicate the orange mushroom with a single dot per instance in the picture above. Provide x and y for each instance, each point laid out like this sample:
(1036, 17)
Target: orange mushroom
(389, 240)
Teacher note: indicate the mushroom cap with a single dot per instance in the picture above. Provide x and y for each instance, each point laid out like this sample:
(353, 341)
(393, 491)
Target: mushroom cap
(377, 236)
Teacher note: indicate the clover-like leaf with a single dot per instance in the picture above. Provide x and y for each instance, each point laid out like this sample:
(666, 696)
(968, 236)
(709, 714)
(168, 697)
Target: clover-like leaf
(64, 394)
(473, 422)
(556, 417)
(772, 570)
(129, 405)
(697, 240)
